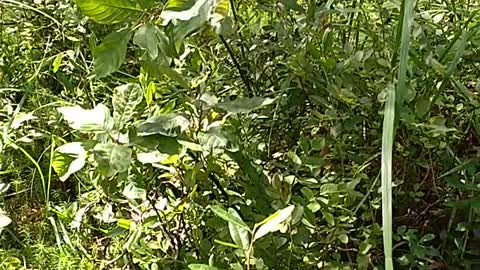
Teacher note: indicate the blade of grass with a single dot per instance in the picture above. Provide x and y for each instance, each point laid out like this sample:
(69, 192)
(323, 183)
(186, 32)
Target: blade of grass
(393, 97)
(387, 145)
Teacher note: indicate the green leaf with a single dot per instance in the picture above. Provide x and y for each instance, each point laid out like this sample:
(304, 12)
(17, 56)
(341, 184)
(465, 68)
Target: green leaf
(168, 125)
(57, 62)
(244, 105)
(212, 141)
(293, 5)
(427, 237)
(197, 266)
(69, 159)
(96, 120)
(227, 216)
(239, 235)
(363, 261)
(145, 37)
(110, 11)
(169, 107)
(150, 92)
(112, 158)
(329, 218)
(159, 67)
(294, 158)
(125, 100)
(343, 238)
(110, 54)
(273, 222)
(422, 106)
(465, 204)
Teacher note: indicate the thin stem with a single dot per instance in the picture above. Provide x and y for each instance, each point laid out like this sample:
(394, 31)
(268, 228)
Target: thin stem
(237, 65)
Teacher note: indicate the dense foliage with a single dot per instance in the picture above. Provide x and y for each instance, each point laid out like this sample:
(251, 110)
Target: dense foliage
(218, 134)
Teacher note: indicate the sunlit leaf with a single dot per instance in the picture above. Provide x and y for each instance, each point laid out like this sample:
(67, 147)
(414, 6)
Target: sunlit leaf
(212, 141)
(273, 222)
(69, 159)
(96, 120)
(186, 9)
(146, 38)
(240, 235)
(4, 219)
(227, 216)
(168, 125)
(125, 100)
(151, 157)
(57, 62)
(110, 11)
(110, 54)
(112, 158)
(77, 220)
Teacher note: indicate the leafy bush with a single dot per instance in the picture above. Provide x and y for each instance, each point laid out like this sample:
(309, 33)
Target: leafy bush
(214, 134)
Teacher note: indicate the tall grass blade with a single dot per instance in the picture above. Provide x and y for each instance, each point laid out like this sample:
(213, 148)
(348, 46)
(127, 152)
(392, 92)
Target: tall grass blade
(393, 97)
(387, 145)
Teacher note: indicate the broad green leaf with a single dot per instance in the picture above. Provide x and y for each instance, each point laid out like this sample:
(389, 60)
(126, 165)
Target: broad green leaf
(164, 144)
(212, 141)
(227, 216)
(125, 100)
(112, 158)
(159, 67)
(69, 159)
(169, 107)
(422, 105)
(294, 158)
(110, 11)
(197, 266)
(96, 120)
(191, 145)
(329, 218)
(239, 235)
(363, 261)
(273, 222)
(110, 54)
(168, 125)
(244, 105)
(145, 37)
